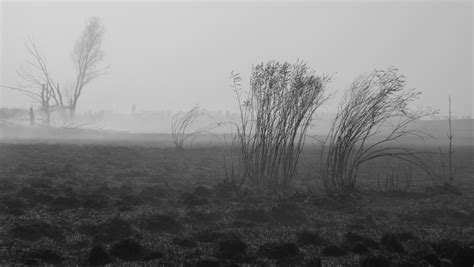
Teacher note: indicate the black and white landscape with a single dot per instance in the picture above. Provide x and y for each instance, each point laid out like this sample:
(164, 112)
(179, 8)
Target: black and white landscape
(226, 133)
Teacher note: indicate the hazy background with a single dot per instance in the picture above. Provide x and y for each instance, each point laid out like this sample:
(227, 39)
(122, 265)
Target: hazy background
(169, 56)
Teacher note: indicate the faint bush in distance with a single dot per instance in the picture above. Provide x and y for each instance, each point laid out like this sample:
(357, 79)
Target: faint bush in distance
(181, 123)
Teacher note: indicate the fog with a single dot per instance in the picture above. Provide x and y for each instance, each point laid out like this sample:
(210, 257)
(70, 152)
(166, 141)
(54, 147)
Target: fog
(169, 56)
(251, 133)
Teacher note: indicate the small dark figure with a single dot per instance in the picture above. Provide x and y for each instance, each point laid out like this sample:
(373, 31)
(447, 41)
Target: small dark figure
(32, 117)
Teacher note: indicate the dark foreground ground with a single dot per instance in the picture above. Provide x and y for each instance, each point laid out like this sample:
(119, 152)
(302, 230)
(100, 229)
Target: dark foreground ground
(89, 204)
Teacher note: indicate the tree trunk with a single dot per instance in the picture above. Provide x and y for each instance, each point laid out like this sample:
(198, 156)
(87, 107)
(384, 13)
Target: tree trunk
(72, 113)
(48, 117)
(32, 117)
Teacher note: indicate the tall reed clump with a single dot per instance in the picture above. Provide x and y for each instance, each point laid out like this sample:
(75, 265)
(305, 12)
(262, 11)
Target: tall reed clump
(451, 169)
(445, 171)
(274, 117)
(372, 114)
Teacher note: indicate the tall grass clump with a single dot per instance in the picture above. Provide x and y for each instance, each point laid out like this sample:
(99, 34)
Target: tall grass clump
(275, 114)
(371, 116)
(451, 170)
(444, 172)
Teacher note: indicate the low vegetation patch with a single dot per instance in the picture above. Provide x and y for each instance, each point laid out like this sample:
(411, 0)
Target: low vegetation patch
(146, 220)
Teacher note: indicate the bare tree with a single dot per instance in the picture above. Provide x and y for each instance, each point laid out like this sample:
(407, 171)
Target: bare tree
(87, 56)
(39, 83)
(371, 116)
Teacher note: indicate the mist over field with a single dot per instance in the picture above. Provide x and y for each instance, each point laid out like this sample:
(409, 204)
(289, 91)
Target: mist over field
(144, 127)
(253, 133)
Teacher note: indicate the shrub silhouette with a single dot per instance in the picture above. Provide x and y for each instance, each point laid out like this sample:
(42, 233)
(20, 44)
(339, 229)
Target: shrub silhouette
(372, 114)
(274, 117)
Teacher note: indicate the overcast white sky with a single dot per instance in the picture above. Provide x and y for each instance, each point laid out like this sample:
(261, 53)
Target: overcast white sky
(174, 55)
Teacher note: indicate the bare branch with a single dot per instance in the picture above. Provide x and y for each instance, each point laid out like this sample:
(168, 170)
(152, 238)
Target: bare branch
(21, 90)
(87, 56)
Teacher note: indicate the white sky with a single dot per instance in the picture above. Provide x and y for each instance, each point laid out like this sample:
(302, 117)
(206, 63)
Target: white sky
(174, 55)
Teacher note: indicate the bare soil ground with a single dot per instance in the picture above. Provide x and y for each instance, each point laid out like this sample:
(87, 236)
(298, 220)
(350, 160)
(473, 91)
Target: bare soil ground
(91, 204)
